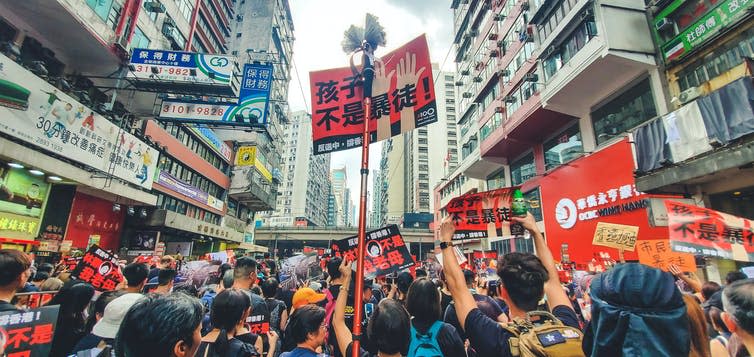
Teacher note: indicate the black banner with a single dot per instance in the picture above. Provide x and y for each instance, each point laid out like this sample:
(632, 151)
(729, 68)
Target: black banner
(99, 268)
(386, 252)
(28, 333)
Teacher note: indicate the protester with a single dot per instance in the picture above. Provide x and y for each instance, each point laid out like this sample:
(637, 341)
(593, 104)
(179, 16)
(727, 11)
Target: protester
(738, 300)
(73, 299)
(166, 262)
(486, 305)
(165, 281)
(716, 299)
(161, 326)
(109, 319)
(97, 308)
(39, 278)
(524, 280)
(423, 304)
(244, 278)
(277, 308)
(136, 277)
(719, 344)
(305, 296)
(402, 283)
(637, 310)
(14, 272)
(307, 331)
(229, 310)
(700, 346)
(388, 329)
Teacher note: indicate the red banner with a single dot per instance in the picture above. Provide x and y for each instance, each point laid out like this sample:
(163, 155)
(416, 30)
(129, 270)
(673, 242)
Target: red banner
(93, 216)
(703, 231)
(386, 252)
(483, 215)
(484, 261)
(403, 98)
(28, 333)
(99, 268)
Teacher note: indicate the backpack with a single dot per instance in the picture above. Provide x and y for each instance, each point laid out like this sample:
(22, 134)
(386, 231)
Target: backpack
(548, 337)
(425, 345)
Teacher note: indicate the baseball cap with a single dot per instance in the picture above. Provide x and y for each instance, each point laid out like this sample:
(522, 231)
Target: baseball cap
(115, 311)
(306, 296)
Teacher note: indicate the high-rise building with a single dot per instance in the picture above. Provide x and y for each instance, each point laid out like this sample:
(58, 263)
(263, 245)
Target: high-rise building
(262, 32)
(339, 182)
(305, 186)
(375, 218)
(414, 162)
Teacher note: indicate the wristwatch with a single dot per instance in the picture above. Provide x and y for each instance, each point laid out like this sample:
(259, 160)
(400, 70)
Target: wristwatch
(444, 245)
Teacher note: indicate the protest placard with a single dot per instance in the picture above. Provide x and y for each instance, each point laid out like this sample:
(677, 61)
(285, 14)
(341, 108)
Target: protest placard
(618, 236)
(386, 252)
(484, 215)
(28, 333)
(99, 268)
(658, 254)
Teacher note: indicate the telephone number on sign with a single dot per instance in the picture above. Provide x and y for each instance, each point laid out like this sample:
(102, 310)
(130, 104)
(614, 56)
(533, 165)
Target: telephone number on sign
(161, 70)
(197, 110)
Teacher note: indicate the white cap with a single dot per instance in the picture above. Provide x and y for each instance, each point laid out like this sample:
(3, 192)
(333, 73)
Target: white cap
(115, 311)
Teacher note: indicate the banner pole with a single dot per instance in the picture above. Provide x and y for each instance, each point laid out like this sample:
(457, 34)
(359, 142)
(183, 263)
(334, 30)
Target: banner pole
(358, 304)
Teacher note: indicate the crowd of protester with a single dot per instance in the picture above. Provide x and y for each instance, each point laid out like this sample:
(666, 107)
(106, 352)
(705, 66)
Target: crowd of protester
(629, 310)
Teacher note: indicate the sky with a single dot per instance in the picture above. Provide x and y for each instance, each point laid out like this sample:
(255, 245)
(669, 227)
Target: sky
(319, 27)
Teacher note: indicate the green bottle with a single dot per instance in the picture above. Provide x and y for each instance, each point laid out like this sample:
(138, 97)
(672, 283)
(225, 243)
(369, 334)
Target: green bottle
(518, 206)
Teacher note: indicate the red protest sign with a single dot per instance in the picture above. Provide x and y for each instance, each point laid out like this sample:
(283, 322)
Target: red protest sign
(483, 215)
(258, 324)
(386, 252)
(71, 263)
(484, 261)
(403, 98)
(28, 333)
(99, 268)
(703, 231)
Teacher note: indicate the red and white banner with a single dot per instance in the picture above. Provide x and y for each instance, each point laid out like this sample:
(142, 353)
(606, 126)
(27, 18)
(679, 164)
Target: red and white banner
(403, 98)
(483, 215)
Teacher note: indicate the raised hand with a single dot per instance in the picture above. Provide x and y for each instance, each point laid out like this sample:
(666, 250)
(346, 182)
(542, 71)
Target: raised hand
(408, 75)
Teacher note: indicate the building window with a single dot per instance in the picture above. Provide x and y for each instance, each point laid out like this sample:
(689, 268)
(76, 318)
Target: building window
(564, 147)
(139, 40)
(101, 7)
(496, 180)
(523, 169)
(717, 62)
(625, 112)
(534, 204)
(185, 7)
(585, 31)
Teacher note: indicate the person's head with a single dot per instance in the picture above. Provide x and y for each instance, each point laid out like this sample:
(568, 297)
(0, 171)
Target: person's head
(423, 301)
(188, 289)
(46, 267)
(73, 298)
(245, 272)
(306, 296)
(710, 288)
(421, 273)
(404, 281)
(468, 277)
(223, 268)
(136, 275)
(270, 288)
(228, 279)
(51, 284)
(738, 300)
(166, 277)
(522, 278)
(716, 319)
(161, 326)
(333, 268)
(14, 269)
(366, 289)
(228, 309)
(97, 309)
(389, 328)
(40, 277)
(697, 326)
(734, 276)
(306, 326)
(112, 315)
(167, 262)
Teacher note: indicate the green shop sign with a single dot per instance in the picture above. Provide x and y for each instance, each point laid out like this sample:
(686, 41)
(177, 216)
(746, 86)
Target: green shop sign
(720, 17)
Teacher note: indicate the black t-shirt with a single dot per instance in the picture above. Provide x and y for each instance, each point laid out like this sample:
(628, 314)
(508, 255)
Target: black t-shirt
(485, 303)
(445, 300)
(488, 338)
(6, 306)
(448, 338)
(362, 353)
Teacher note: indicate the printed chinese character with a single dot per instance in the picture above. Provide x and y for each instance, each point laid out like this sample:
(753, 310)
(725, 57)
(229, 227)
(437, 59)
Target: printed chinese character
(708, 231)
(351, 84)
(395, 258)
(733, 234)
(18, 337)
(488, 215)
(472, 217)
(591, 201)
(157, 55)
(625, 192)
(380, 106)
(42, 335)
(185, 58)
(581, 203)
(327, 117)
(327, 92)
(404, 97)
(503, 214)
(353, 114)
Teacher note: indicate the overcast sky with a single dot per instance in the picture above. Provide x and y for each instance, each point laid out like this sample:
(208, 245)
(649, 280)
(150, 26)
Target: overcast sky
(319, 27)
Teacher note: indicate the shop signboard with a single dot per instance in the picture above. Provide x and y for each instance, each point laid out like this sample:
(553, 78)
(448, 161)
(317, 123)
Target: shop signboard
(22, 201)
(58, 209)
(708, 25)
(93, 221)
(184, 67)
(399, 104)
(595, 188)
(386, 252)
(250, 111)
(707, 232)
(54, 121)
(246, 155)
(165, 179)
(176, 248)
(143, 242)
(210, 138)
(28, 333)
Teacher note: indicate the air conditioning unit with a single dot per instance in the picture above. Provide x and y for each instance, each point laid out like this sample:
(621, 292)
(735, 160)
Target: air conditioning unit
(477, 79)
(494, 53)
(154, 6)
(690, 94)
(525, 6)
(459, 83)
(167, 29)
(499, 109)
(663, 24)
(505, 73)
(168, 21)
(548, 51)
(531, 77)
(492, 37)
(474, 32)
(466, 95)
(499, 17)
(509, 99)
(465, 72)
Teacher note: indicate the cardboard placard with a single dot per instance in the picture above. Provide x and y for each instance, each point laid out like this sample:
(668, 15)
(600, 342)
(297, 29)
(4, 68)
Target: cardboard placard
(28, 333)
(617, 236)
(99, 268)
(484, 215)
(658, 254)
